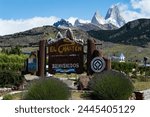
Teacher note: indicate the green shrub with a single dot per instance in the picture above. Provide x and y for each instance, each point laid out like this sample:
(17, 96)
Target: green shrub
(144, 69)
(10, 79)
(8, 97)
(111, 85)
(142, 79)
(47, 89)
(125, 67)
(11, 66)
(12, 62)
(13, 50)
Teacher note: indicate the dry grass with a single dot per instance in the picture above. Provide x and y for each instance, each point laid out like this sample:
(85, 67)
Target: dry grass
(17, 96)
(131, 52)
(80, 95)
(142, 85)
(67, 76)
(76, 95)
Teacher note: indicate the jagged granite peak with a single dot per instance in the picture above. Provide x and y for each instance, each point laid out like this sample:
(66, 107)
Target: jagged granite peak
(98, 19)
(113, 16)
(77, 22)
(62, 23)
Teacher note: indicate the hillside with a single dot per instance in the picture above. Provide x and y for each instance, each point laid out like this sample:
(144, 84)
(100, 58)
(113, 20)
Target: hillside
(32, 37)
(132, 53)
(135, 33)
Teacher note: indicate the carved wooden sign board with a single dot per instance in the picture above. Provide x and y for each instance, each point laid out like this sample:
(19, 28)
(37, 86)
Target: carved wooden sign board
(65, 56)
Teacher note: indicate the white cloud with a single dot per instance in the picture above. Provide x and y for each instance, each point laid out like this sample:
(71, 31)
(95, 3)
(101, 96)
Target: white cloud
(13, 26)
(73, 19)
(127, 14)
(139, 9)
(84, 21)
(142, 5)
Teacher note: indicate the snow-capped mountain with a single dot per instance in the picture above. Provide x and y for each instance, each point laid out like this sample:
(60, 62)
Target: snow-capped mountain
(77, 23)
(89, 26)
(113, 16)
(98, 19)
(100, 22)
(62, 23)
(113, 20)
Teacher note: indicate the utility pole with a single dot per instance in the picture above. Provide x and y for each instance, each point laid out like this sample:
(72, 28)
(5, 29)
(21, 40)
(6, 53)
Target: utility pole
(145, 62)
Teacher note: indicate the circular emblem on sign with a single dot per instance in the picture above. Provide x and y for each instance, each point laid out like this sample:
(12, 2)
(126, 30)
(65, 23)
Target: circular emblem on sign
(98, 64)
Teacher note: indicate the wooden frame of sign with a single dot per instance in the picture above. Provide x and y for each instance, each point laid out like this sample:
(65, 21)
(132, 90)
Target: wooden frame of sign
(65, 54)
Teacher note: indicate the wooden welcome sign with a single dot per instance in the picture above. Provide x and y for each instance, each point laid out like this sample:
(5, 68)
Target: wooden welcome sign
(65, 55)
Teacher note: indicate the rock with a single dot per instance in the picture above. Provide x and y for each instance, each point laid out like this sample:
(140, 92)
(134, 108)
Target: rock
(83, 82)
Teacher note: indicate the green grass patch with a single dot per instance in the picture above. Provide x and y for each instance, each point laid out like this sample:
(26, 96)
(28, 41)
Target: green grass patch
(16, 96)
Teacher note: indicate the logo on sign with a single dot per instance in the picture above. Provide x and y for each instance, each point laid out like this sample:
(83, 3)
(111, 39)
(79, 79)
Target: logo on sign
(98, 64)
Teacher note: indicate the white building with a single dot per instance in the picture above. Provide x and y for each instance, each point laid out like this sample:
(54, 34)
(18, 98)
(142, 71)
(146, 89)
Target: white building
(120, 58)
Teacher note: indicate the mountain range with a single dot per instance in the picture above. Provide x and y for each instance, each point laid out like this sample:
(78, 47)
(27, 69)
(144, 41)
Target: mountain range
(113, 20)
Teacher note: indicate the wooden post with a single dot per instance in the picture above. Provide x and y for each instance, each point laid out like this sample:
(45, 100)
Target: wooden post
(90, 49)
(41, 58)
(108, 67)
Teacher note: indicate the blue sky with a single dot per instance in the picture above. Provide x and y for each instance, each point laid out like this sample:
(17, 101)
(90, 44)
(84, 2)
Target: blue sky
(23, 9)
(21, 15)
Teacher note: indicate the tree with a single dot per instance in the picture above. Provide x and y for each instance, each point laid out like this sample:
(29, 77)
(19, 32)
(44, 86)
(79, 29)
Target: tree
(15, 50)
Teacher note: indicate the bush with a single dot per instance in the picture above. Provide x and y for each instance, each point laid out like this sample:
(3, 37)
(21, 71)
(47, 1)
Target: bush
(13, 50)
(8, 97)
(11, 66)
(124, 67)
(111, 85)
(10, 79)
(143, 69)
(12, 62)
(47, 89)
